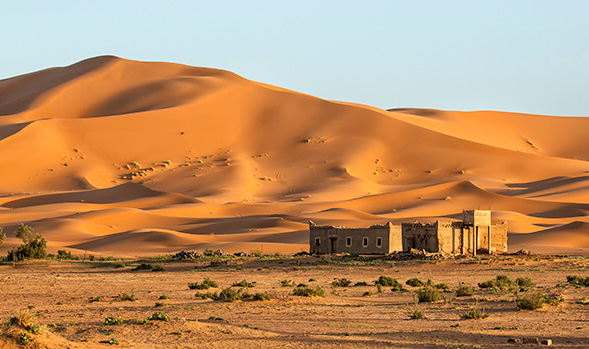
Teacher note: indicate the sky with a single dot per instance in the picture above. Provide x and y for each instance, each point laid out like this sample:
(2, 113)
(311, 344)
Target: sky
(519, 56)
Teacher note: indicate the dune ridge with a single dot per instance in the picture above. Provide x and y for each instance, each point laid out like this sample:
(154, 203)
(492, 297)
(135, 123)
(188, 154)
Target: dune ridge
(120, 157)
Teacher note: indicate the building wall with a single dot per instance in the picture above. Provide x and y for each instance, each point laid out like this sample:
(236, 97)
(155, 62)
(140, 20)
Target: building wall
(421, 236)
(330, 239)
(450, 237)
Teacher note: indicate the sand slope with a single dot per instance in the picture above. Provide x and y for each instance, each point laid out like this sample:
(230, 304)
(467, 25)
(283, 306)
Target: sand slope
(120, 157)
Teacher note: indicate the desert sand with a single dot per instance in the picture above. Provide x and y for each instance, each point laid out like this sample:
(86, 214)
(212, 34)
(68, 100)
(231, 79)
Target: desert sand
(116, 157)
(77, 298)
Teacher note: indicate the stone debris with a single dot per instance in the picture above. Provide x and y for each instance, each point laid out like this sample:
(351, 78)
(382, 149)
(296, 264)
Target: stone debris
(523, 252)
(546, 342)
(187, 255)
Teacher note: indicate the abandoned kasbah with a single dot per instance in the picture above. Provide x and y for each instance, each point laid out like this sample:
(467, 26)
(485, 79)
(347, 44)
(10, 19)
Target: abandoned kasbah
(474, 234)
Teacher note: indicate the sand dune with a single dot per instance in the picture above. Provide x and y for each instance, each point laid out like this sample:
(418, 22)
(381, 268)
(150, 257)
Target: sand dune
(110, 153)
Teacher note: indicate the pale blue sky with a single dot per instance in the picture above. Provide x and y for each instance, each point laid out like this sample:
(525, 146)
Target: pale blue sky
(524, 56)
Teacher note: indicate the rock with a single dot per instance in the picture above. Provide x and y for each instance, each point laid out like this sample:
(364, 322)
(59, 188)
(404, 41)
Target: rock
(546, 342)
(302, 253)
(240, 254)
(534, 340)
(187, 255)
(523, 252)
(514, 340)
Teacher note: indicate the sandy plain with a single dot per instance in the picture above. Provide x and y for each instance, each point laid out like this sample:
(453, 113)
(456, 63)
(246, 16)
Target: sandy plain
(113, 157)
(60, 293)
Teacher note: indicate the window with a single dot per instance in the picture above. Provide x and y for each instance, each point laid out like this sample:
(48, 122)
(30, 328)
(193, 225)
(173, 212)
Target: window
(348, 241)
(365, 242)
(317, 241)
(378, 242)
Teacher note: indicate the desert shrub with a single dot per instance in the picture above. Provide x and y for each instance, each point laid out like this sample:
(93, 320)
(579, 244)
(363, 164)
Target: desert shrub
(309, 291)
(63, 254)
(361, 283)
(161, 316)
(113, 341)
(159, 304)
(244, 283)
(443, 286)
(578, 281)
(265, 296)
(205, 285)
(531, 302)
(386, 281)
(229, 295)
(428, 294)
(474, 314)
(144, 266)
(24, 338)
(379, 289)
(415, 282)
(95, 299)
(27, 321)
(302, 284)
(163, 296)
(464, 290)
(209, 295)
(33, 247)
(158, 267)
(287, 283)
(2, 236)
(501, 282)
(127, 297)
(367, 294)
(111, 321)
(208, 252)
(142, 321)
(341, 283)
(416, 314)
(525, 282)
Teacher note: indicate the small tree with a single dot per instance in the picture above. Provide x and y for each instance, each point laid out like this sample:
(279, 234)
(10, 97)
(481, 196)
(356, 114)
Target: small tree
(2, 236)
(33, 247)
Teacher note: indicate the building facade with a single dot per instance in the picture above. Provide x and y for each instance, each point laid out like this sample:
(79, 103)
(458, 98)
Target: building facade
(474, 234)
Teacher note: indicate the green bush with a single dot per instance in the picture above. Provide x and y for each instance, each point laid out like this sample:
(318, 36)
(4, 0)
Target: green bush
(578, 281)
(208, 295)
(309, 291)
(500, 282)
(428, 294)
(63, 254)
(244, 283)
(416, 314)
(34, 245)
(24, 338)
(144, 266)
(531, 302)
(386, 281)
(161, 316)
(361, 283)
(367, 294)
(229, 295)
(262, 296)
(287, 283)
(111, 321)
(415, 282)
(443, 286)
(524, 283)
(464, 290)
(341, 282)
(205, 285)
(474, 314)
(158, 267)
(127, 297)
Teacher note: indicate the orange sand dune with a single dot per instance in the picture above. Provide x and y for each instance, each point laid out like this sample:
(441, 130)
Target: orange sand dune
(130, 158)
